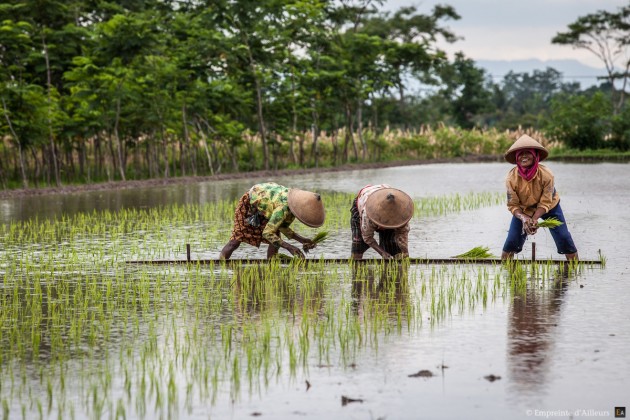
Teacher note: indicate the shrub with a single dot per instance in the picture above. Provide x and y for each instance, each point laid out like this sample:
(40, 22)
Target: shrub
(620, 131)
(580, 121)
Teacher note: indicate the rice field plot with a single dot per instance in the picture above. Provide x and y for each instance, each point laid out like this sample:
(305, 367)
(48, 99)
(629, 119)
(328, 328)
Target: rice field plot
(82, 334)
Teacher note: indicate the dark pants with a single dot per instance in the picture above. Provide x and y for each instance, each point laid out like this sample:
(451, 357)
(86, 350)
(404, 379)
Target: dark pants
(385, 237)
(561, 236)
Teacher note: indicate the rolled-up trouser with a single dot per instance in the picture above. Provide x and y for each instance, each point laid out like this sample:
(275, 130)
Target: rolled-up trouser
(560, 234)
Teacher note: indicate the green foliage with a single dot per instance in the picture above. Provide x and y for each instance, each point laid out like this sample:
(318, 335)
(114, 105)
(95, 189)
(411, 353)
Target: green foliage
(605, 34)
(417, 146)
(147, 89)
(524, 98)
(563, 153)
(26, 107)
(620, 133)
(580, 121)
(466, 91)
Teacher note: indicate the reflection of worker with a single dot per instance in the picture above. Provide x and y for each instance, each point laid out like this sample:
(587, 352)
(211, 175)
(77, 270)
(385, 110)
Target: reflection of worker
(382, 209)
(532, 195)
(267, 210)
(533, 315)
(254, 296)
(388, 283)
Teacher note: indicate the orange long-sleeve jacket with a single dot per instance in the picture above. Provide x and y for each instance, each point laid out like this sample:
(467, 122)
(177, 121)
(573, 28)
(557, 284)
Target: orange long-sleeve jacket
(529, 195)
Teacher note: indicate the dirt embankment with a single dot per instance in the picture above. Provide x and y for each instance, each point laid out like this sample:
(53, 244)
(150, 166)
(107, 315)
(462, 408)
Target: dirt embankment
(69, 189)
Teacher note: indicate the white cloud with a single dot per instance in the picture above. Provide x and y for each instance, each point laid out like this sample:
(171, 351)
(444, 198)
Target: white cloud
(510, 29)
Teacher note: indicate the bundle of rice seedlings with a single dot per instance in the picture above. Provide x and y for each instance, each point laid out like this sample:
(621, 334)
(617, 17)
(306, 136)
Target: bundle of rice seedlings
(285, 258)
(320, 237)
(477, 252)
(550, 223)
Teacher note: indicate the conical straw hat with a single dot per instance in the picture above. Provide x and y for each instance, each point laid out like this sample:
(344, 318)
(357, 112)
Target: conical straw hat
(307, 207)
(525, 142)
(389, 208)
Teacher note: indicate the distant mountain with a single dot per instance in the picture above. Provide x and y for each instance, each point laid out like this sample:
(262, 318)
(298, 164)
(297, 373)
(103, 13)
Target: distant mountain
(572, 70)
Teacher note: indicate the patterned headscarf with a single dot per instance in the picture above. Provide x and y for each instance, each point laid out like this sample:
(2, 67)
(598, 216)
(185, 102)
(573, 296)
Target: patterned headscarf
(527, 173)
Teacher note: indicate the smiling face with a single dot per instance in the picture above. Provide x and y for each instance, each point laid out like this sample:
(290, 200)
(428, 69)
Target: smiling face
(526, 159)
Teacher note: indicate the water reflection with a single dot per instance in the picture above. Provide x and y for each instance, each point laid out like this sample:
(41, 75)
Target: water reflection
(259, 289)
(55, 205)
(386, 284)
(533, 317)
(437, 179)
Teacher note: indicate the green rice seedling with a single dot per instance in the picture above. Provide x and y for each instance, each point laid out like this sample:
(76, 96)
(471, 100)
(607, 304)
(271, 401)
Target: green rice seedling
(284, 258)
(475, 253)
(320, 236)
(144, 331)
(602, 258)
(550, 223)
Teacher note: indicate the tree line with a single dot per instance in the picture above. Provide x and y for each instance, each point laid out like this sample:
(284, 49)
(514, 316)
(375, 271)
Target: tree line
(129, 89)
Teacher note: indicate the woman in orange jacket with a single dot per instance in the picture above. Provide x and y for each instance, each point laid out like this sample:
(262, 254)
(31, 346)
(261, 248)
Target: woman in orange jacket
(531, 196)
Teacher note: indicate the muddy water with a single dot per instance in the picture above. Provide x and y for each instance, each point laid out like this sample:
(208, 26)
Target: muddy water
(559, 351)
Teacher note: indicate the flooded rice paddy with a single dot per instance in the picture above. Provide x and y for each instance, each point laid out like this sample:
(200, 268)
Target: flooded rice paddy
(83, 334)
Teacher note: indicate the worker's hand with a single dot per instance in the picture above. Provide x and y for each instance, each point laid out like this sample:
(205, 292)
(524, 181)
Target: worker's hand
(308, 244)
(401, 256)
(386, 255)
(295, 251)
(531, 227)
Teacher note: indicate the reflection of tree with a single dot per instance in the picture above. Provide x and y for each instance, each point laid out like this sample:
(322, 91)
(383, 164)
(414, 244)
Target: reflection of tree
(383, 287)
(533, 316)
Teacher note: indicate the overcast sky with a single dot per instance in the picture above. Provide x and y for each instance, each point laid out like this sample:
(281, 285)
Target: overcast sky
(514, 30)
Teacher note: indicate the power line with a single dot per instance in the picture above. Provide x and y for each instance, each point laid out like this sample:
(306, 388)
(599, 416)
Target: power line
(497, 76)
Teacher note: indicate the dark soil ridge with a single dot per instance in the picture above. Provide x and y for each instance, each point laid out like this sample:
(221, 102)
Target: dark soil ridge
(254, 175)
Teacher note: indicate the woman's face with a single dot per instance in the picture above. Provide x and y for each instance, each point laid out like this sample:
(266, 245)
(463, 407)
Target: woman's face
(526, 159)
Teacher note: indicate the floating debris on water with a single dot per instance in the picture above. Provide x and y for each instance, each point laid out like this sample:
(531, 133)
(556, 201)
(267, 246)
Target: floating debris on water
(347, 400)
(422, 374)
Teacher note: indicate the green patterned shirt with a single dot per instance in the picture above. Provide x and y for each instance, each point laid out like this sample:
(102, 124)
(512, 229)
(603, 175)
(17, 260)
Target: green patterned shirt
(272, 202)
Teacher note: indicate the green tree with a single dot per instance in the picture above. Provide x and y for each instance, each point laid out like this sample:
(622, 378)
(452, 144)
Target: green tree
(467, 91)
(260, 34)
(580, 121)
(410, 48)
(620, 130)
(607, 36)
(522, 99)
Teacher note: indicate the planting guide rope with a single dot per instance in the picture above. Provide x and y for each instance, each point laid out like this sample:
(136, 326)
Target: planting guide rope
(219, 262)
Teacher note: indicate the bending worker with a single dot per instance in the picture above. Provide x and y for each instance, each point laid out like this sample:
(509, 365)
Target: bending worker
(532, 195)
(382, 209)
(267, 210)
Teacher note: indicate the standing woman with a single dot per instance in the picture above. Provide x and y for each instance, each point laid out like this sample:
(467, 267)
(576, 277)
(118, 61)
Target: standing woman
(531, 195)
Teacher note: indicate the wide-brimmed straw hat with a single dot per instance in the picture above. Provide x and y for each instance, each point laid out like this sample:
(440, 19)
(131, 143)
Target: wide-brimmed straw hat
(307, 207)
(525, 142)
(389, 208)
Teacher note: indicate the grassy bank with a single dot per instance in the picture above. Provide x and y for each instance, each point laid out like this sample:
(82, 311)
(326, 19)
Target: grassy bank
(599, 155)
